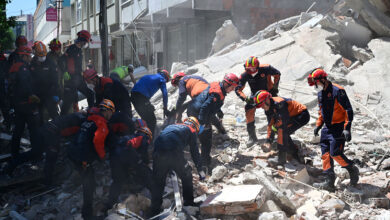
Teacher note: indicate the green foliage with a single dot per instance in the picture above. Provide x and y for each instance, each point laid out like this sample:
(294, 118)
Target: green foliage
(6, 34)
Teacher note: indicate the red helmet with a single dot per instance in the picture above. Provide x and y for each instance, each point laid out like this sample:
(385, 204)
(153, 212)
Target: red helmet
(261, 97)
(192, 121)
(107, 104)
(176, 78)
(165, 73)
(231, 79)
(90, 74)
(39, 49)
(24, 50)
(20, 40)
(55, 44)
(139, 123)
(315, 76)
(251, 62)
(84, 35)
(146, 131)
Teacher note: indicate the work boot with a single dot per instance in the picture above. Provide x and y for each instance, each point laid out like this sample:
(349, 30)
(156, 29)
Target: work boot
(327, 184)
(252, 134)
(278, 160)
(353, 174)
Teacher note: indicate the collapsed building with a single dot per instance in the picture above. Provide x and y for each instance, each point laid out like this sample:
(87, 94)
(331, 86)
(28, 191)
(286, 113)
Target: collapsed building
(351, 42)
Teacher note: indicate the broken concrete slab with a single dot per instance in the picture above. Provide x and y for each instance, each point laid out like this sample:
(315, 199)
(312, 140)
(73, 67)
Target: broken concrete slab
(378, 21)
(292, 61)
(178, 67)
(361, 54)
(277, 195)
(225, 35)
(238, 56)
(234, 200)
(318, 47)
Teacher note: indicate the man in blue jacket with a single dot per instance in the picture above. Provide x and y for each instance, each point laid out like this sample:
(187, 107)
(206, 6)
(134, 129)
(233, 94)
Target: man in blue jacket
(143, 90)
(208, 104)
(168, 155)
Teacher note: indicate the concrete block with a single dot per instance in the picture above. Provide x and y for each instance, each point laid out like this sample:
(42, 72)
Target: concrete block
(234, 200)
(332, 204)
(225, 36)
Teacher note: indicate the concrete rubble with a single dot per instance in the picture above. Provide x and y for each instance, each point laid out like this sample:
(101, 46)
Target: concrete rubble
(241, 184)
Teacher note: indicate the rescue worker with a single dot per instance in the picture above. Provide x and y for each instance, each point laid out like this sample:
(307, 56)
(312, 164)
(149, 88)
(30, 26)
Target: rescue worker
(188, 85)
(64, 126)
(54, 55)
(121, 72)
(286, 116)
(168, 155)
(72, 62)
(259, 77)
(107, 88)
(45, 81)
(192, 86)
(123, 157)
(89, 146)
(144, 89)
(206, 105)
(24, 100)
(20, 41)
(336, 113)
(50, 135)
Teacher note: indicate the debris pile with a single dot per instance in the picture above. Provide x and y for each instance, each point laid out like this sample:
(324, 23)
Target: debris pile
(241, 184)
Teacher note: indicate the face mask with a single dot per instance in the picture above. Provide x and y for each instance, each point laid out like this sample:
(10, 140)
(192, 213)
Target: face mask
(42, 59)
(85, 45)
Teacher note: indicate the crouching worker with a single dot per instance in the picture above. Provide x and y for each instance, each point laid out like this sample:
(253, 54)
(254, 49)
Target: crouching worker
(123, 157)
(88, 147)
(168, 155)
(286, 116)
(335, 111)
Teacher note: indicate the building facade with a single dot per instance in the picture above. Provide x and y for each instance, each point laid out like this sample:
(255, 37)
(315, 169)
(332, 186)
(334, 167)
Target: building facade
(156, 33)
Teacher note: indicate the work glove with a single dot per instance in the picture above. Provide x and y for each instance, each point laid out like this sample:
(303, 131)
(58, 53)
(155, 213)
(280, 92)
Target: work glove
(220, 114)
(347, 135)
(56, 99)
(33, 99)
(316, 130)
(201, 128)
(249, 100)
(66, 76)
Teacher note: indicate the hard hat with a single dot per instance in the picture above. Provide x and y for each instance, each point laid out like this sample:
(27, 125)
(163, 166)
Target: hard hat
(231, 79)
(315, 76)
(261, 97)
(176, 78)
(193, 122)
(39, 49)
(106, 105)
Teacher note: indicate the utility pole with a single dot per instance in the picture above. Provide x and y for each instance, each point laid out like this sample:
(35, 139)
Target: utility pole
(58, 7)
(104, 36)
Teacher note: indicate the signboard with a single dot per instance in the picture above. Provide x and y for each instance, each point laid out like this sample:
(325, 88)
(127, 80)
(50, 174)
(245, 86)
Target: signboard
(96, 42)
(30, 28)
(51, 14)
